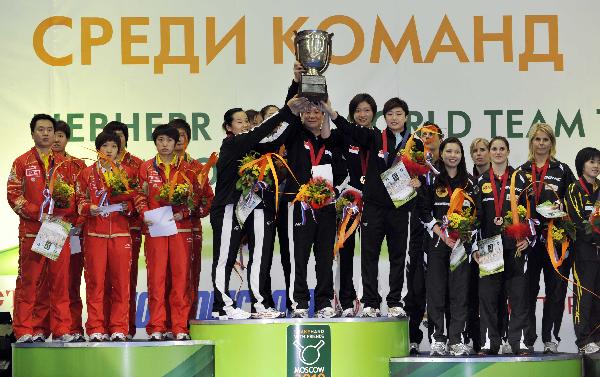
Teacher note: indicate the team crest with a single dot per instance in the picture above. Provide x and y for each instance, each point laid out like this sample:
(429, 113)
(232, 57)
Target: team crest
(441, 192)
(486, 188)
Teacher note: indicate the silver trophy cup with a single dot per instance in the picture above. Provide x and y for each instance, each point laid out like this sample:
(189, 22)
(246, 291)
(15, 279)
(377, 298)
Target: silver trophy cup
(313, 51)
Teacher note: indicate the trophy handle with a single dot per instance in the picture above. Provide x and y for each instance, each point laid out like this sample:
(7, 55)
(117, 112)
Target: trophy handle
(329, 52)
(296, 45)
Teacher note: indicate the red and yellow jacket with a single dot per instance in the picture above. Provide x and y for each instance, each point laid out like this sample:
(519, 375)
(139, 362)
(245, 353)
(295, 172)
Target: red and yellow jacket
(205, 194)
(133, 163)
(28, 178)
(91, 190)
(153, 174)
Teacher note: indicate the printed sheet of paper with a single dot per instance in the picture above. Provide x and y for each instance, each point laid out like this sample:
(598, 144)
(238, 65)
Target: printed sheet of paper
(51, 237)
(491, 256)
(162, 222)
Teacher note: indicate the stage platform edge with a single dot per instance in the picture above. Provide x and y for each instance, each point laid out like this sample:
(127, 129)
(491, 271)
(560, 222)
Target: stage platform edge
(537, 365)
(131, 359)
(358, 346)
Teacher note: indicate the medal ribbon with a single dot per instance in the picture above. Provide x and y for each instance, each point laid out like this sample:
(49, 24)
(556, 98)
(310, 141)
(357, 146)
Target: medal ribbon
(537, 190)
(315, 160)
(499, 202)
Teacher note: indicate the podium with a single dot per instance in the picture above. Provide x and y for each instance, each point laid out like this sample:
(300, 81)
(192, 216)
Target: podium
(299, 347)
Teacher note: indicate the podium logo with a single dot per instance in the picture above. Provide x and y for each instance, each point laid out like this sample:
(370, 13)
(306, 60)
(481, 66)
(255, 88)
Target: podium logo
(308, 350)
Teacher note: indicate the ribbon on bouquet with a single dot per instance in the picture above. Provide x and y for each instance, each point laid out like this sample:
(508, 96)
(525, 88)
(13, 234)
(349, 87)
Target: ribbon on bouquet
(344, 232)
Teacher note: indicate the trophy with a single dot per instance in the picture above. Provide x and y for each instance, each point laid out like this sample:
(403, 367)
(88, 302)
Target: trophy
(313, 51)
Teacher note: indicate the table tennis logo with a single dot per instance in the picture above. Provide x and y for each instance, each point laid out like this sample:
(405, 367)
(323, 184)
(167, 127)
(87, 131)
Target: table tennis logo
(308, 350)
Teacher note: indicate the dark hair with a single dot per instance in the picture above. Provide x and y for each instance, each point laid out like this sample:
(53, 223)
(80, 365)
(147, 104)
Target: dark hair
(165, 129)
(356, 100)
(37, 117)
(502, 139)
(115, 125)
(263, 111)
(181, 124)
(106, 136)
(228, 117)
(393, 103)
(443, 179)
(251, 114)
(62, 126)
(583, 156)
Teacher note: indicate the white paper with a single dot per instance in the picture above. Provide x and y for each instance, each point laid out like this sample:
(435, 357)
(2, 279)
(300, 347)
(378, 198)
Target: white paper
(458, 255)
(51, 237)
(245, 206)
(323, 171)
(491, 256)
(105, 210)
(75, 242)
(397, 182)
(162, 222)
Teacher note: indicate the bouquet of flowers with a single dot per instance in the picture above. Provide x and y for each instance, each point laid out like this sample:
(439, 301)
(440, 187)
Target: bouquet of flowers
(180, 194)
(460, 225)
(120, 186)
(562, 230)
(317, 193)
(349, 200)
(519, 230)
(249, 176)
(413, 157)
(593, 224)
(62, 193)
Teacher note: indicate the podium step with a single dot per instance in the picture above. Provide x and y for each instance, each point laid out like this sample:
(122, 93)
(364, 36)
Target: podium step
(304, 347)
(132, 359)
(537, 365)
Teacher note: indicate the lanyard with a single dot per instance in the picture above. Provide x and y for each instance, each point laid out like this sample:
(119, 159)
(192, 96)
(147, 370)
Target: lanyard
(315, 160)
(364, 162)
(537, 190)
(498, 202)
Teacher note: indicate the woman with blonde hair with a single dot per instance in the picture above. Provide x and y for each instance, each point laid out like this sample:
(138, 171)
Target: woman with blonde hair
(549, 179)
(480, 154)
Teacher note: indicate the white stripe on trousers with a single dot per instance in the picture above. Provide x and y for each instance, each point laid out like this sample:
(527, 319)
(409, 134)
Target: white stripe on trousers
(224, 254)
(255, 268)
(290, 231)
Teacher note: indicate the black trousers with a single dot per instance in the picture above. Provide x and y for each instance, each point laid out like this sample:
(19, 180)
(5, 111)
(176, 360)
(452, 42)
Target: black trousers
(284, 249)
(511, 283)
(442, 283)
(556, 291)
(347, 294)
(473, 325)
(318, 234)
(379, 222)
(586, 310)
(416, 266)
(227, 237)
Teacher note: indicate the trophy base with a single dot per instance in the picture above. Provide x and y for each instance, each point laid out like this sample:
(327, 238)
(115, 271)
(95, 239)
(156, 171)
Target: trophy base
(313, 87)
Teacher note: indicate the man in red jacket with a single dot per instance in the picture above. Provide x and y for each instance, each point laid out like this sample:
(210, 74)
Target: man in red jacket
(41, 312)
(28, 191)
(167, 180)
(135, 222)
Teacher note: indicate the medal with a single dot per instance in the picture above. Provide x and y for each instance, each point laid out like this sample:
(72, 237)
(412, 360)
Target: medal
(498, 200)
(362, 179)
(498, 220)
(364, 162)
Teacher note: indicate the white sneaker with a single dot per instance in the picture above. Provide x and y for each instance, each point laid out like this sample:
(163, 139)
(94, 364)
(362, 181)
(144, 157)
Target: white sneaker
(300, 313)
(327, 312)
(38, 338)
(369, 312)
(348, 313)
(589, 348)
(236, 313)
(168, 335)
(505, 349)
(550, 347)
(459, 349)
(117, 337)
(155, 336)
(77, 337)
(438, 349)
(413, 349)
(128, 337)
(269, 313)
(96, 337)
(396, 312)
(105, 338)
(183, 336)
(27, 338)
(66, 338)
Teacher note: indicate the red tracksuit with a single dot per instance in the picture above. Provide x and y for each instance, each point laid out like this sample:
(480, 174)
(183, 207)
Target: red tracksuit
(135, 230)
(205, 196)
(27, 180)
(107, 254)
(41, 311)
(167, 258)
